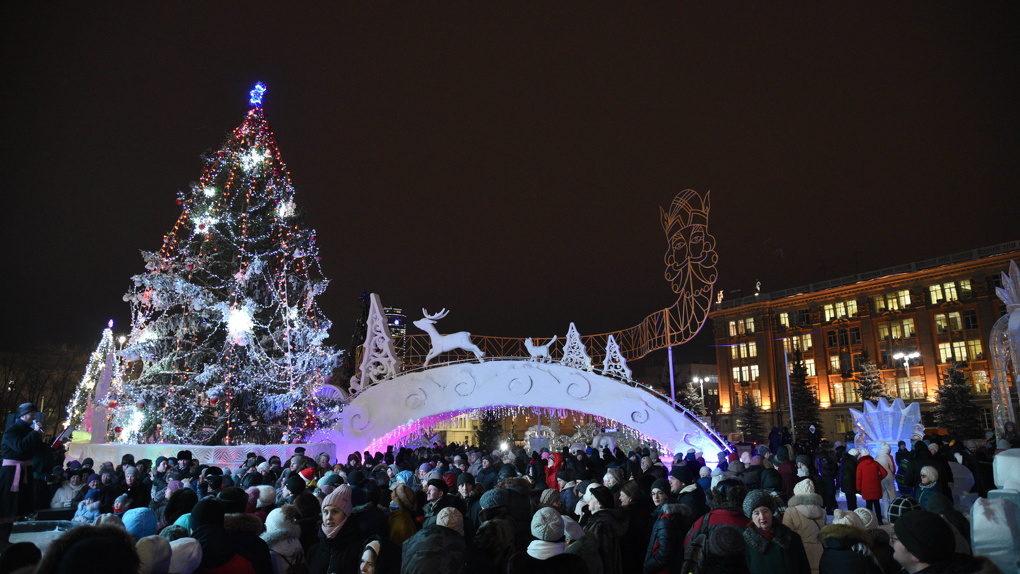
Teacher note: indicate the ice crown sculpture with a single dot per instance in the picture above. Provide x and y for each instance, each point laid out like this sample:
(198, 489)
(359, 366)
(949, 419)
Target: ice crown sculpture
(888, 422)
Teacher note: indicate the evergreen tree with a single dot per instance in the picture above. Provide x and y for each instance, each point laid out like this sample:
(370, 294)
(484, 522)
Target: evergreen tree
(869, 380)
(803, 398)
(227, 338)
(749, 420)
(954, 409)
(690, 397)
(491, 431)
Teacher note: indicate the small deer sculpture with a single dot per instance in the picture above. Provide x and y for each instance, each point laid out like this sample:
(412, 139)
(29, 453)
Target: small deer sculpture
(445, 343)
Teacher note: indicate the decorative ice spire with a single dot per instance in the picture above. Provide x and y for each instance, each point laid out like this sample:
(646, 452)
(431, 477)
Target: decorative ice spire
(256, 95)
(574, 354)
(379, 360)
(615, 363)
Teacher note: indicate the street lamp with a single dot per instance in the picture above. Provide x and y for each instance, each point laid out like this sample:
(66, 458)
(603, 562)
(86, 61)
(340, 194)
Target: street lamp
(701, 382)
(906, 365)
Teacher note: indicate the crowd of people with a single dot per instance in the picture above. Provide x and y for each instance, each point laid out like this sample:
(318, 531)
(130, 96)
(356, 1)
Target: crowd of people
(454, 508)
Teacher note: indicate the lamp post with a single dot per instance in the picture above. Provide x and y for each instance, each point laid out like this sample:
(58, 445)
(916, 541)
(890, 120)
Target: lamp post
(906, 366)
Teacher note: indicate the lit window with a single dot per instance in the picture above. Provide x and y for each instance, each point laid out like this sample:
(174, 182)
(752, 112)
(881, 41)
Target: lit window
(735, 352)
(733, 328)
(904, 298)
(941, 324)
(935, 291)
(883, 331)
(974, 350)
(908, 328)
(749, 324)
(752, 349)
(945, 352)
(834, 364)
(784, 319)
(809, 364)
(754, 372)
(805, 342)
(950, 291)
(879, 302)
(960, 350)
(966, 292)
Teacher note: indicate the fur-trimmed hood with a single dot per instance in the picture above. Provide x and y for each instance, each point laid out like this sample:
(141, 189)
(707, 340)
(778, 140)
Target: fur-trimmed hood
(240, 522)
(672, 509)
(843, 536)
(809, 499)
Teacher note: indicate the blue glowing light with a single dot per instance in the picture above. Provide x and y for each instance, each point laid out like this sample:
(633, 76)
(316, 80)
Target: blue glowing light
(256, 94)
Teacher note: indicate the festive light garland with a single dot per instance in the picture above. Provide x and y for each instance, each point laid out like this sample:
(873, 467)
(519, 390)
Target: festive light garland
(227, 340)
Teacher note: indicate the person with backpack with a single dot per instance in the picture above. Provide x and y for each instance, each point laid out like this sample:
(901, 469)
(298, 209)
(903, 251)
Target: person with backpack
(771, 547)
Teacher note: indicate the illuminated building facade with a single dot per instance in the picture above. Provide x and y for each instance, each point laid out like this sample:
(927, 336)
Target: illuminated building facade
(914, 320)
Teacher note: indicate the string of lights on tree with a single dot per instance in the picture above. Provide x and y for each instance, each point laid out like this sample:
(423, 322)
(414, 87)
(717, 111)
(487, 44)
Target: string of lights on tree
(78, 408)
(226, 342)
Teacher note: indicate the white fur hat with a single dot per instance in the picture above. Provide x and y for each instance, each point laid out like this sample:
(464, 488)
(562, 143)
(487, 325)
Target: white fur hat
(854, 452)
(804, 487)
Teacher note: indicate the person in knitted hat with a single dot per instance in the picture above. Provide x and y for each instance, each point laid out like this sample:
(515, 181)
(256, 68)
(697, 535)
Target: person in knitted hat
(339, 548)
(438, 547)
(547, 552)
(670, 520)
(607, 525)
(494, 540)
(88, 509)
(921, 539)
(660, 491)
(686, 491)
(400, 522)
(900, 506)
(550, 498)
(292, 487)
(107, 548)
(771, 547)
(472, 498)
(805, 515)
(867, 518)
(283, 536)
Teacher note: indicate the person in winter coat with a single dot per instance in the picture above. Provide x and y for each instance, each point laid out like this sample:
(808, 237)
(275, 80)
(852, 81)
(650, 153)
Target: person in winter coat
(608, 525)
(546, 554)
(928, 485)
(771, 547)
(939, 504)
(439, 547)
(687, 492)
(902, 458)
(283, 535)
(555, 464)
(870, 475)
(494, 540)
(666, 546)
(806, 516)
(848, 478)
(88, 508)
(885, 459)
(727, 502)
(580, 543)
(786, 469)
(400, 521)
(637, 505)
(340, 542)
(847, 547)
(380, 556)
(828, 467)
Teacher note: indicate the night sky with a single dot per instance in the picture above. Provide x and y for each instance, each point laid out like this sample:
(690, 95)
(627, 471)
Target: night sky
(507, 161)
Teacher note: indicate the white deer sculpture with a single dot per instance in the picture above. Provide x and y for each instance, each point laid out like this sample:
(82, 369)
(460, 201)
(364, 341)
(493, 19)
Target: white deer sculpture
(445, 343)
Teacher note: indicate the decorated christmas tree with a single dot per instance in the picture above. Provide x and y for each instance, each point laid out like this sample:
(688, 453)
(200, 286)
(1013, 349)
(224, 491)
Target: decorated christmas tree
(226, 343)
(869, 380)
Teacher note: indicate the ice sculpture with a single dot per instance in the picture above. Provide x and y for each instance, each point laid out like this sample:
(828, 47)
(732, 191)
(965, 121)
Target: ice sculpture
(888, 422)
(1005, 347)
(445, 343)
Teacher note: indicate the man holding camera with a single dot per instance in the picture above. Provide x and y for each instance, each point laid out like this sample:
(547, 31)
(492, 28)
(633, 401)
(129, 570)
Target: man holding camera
(22, 440)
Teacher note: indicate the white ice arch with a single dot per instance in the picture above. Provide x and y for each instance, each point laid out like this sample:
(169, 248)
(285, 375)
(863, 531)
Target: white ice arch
(405, 404)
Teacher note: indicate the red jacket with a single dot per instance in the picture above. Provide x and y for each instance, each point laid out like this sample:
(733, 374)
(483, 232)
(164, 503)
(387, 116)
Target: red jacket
(555, 465)
(869, 478)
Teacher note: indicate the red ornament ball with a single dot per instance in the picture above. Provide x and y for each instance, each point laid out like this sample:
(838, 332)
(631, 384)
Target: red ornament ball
(191, 266)
(179, 202)
(118, 429)
(112, 404)
(213, 400)
(141, 404)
